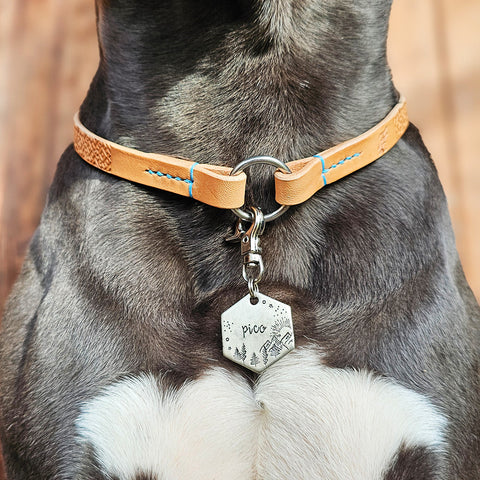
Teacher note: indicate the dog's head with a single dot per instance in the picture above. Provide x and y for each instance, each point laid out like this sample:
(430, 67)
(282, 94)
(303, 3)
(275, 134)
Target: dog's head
(223, 80)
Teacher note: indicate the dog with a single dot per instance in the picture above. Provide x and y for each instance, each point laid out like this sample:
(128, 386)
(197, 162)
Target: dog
(111, 350)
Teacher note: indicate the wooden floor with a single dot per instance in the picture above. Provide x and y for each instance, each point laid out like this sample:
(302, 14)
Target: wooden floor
(48, 55)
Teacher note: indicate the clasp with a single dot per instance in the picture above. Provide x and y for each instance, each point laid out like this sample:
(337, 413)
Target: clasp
(252, 252)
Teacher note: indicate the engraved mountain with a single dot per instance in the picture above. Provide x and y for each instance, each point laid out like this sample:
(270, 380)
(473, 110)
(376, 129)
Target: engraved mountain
(255, 336)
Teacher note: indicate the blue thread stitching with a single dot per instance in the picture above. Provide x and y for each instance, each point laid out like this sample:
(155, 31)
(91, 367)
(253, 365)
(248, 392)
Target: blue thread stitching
(323, 161)
(160, 174)
(191, 179)
(323, 169)
(341, 162)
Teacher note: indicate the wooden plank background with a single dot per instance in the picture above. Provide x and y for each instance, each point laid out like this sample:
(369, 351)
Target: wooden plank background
(48, 54)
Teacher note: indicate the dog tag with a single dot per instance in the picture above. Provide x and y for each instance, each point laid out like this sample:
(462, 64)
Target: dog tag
(255, 336)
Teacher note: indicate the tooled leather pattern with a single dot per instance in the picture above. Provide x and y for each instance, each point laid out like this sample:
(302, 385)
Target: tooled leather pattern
(220, 190)
(93, 151)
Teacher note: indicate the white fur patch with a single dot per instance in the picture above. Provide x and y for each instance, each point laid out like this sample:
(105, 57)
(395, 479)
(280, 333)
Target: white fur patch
(335, 424)
(203, 431)
(301, 421)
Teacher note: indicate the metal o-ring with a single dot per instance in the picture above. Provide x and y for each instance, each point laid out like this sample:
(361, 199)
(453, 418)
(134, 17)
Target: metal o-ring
(264, 160)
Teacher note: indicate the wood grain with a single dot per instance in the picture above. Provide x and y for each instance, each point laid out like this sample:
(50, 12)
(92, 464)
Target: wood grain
(435, 63)
(48, 60)
(48, 55)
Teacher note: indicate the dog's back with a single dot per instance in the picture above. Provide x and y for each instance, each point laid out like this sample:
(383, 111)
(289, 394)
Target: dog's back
(111, 354)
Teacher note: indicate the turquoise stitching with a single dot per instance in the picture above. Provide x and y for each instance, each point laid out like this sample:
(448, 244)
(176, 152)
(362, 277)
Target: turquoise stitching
(188, 181)
(191, 179)
(335, 165)
(160, 174)
(323, 169)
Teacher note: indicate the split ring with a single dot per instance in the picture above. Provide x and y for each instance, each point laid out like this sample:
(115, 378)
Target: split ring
(264, 160)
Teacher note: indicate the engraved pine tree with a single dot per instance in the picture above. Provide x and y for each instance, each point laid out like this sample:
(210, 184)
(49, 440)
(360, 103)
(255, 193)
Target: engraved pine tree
(254, 360)
(265, 355)
(243, 353)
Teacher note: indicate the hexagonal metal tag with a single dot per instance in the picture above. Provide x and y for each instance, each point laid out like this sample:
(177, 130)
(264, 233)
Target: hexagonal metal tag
(255, 336)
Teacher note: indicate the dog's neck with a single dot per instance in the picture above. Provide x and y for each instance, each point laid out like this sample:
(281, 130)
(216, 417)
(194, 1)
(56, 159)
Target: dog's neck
(223, 80)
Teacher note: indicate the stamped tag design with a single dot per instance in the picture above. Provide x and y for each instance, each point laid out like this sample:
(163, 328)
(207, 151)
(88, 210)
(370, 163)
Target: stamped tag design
(255, 336)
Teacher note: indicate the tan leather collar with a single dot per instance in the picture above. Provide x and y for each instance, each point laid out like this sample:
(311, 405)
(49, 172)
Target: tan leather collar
(214, 186)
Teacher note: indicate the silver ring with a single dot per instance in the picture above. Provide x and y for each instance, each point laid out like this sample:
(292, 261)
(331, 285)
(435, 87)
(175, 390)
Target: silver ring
(265, 160)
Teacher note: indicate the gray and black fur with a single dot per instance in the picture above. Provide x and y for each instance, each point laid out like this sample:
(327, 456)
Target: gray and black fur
(122, 279)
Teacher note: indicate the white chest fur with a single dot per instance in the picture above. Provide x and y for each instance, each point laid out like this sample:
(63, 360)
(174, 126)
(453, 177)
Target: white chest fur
(301, 421)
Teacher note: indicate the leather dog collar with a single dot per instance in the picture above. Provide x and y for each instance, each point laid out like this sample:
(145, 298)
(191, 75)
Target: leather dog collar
(215, 186)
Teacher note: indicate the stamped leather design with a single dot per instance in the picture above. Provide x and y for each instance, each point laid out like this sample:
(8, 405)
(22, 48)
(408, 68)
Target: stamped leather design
(209, 184)
(95, 151)
(215, 186)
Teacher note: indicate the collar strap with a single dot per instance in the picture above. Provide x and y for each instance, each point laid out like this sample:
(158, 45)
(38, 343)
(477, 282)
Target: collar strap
(215, 186)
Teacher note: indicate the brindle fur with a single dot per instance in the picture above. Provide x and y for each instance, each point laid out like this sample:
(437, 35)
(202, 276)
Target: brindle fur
(121, 279)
